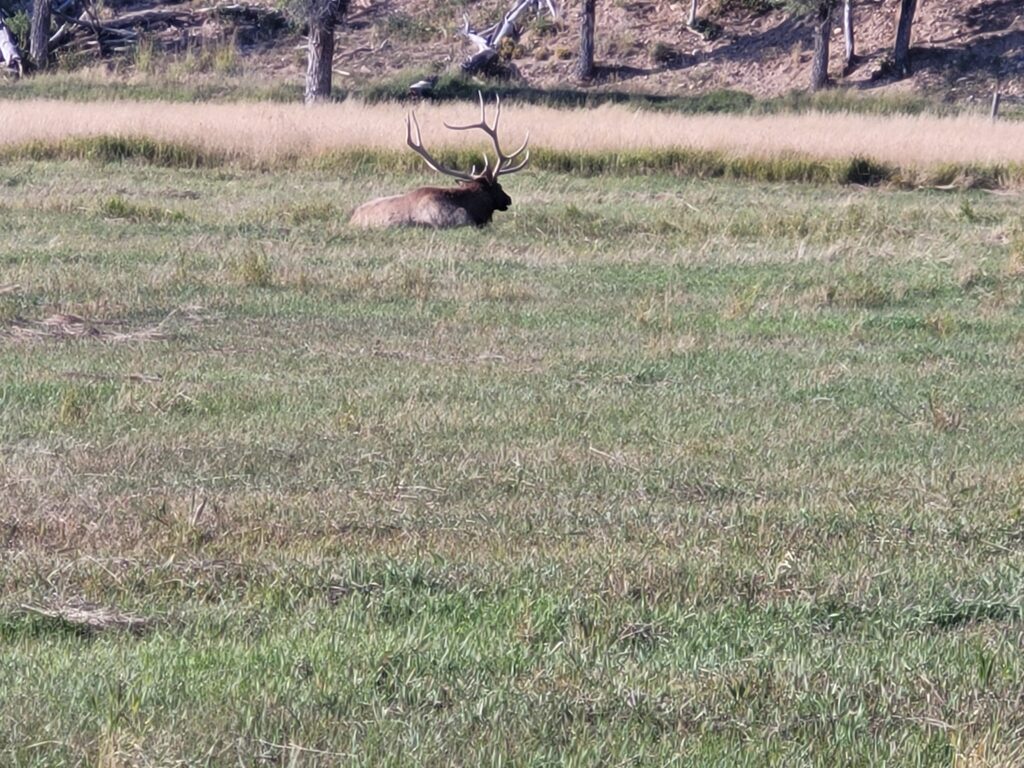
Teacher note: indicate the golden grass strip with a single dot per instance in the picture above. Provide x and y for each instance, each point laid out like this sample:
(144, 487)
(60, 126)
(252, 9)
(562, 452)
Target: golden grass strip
(265, 132)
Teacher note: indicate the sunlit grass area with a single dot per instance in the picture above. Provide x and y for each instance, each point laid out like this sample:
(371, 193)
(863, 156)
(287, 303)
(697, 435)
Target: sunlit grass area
(652, 470)
(268, 132)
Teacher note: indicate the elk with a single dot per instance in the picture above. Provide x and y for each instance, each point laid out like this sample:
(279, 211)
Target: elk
(473, 202)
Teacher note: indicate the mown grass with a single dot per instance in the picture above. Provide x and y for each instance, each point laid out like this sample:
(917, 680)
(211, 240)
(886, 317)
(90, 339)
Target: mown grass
(652, 471)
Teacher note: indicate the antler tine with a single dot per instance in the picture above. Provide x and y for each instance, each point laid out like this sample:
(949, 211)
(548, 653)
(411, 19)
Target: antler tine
(417, 146)
(482, 125)
(409, 120)
(506, 169)
(473, 172)
(521, 146)
(497, 110)
(504, 161)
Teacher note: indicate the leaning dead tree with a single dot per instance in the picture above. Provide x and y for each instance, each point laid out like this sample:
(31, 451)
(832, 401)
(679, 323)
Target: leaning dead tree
(9, 52)
(487, 41)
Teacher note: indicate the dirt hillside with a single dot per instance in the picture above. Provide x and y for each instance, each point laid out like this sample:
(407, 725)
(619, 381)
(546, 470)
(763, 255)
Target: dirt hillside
(959, 47)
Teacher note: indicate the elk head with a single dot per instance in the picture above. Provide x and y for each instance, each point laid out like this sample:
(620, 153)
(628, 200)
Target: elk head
(473, 202)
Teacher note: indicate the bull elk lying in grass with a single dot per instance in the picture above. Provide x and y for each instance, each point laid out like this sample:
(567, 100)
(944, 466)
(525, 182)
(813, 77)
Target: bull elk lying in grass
(473, 202)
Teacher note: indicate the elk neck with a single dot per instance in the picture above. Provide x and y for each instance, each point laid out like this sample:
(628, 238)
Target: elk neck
(481, 198)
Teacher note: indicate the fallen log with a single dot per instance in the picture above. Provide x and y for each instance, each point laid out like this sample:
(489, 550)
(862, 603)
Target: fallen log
(87, 32)
(129, 21)
(60, 36)
(148, 19)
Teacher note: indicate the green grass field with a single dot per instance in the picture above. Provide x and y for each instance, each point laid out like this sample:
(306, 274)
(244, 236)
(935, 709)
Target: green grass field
(652, 471)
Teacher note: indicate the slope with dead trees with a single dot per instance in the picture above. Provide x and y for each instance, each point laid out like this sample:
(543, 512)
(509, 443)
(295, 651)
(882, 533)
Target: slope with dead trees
(82, 30)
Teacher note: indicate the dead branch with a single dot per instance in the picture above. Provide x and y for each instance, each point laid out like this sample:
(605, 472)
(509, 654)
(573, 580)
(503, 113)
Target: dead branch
(90, 618)
(487, 40)
(85, 31)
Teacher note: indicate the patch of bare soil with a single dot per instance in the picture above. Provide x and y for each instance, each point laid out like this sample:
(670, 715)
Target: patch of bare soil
(960, 48)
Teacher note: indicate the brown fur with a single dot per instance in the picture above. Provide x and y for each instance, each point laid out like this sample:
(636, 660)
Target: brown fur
(470, 203)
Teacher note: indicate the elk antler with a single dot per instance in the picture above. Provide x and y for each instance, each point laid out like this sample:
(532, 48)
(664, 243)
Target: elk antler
(505, 162)
(417, 147)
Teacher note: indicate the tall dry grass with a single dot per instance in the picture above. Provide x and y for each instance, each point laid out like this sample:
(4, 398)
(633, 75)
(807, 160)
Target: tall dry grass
(259, 131)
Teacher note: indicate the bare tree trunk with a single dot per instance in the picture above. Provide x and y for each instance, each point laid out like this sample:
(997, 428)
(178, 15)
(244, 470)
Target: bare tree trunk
(901, 51)
(850, 50)
(691, 21)
(822, 32)
(323, 19)
(39, 35)
(320, 60)
(585, 66)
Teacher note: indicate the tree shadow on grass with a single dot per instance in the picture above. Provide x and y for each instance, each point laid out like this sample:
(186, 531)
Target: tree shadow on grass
(453, 88)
